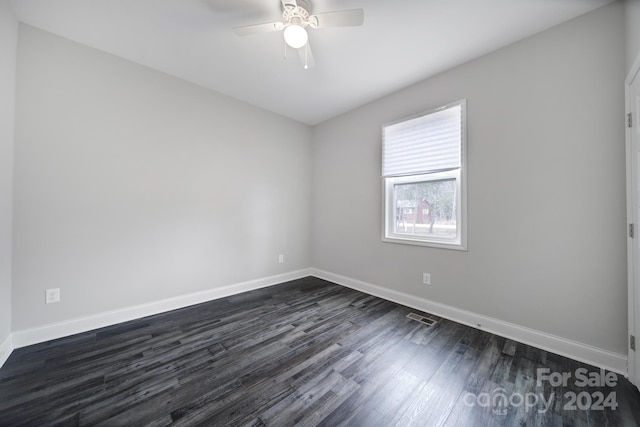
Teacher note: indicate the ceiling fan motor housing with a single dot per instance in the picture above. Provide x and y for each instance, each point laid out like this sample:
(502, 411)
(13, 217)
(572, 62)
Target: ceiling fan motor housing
(296, 13)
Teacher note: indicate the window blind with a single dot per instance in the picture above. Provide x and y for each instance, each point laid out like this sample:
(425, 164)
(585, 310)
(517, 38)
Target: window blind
(424, 144)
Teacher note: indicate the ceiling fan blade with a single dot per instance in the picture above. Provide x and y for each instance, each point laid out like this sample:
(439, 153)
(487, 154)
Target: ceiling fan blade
(306, 56)
(258, 28)
(343, 18)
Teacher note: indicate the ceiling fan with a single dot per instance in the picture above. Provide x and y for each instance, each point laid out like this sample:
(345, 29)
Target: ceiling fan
(297, 18)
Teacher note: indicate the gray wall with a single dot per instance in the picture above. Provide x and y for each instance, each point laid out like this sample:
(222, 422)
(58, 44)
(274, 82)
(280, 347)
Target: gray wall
(546, 186)
(8, 45)
(632, 21)
(132, 186)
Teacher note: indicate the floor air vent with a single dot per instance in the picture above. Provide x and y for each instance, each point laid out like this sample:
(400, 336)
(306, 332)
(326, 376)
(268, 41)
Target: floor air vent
(422, 319)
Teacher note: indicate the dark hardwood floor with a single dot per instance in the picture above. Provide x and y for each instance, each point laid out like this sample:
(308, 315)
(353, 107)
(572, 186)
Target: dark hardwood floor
(306, 352)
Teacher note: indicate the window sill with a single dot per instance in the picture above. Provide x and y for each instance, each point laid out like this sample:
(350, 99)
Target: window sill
(456, 246)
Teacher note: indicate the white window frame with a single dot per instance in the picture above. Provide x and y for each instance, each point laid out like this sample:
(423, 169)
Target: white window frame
(459, 174)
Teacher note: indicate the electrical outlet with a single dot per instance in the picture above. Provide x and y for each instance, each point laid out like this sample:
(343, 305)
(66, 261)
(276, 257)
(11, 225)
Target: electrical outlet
(426, 278)
(52, 295)
(280, 258)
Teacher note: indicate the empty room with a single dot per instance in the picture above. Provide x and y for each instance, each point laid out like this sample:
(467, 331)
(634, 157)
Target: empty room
(319, 212)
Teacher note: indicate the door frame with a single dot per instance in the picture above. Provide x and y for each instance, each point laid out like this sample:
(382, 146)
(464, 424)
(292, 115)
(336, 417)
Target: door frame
(633, 250)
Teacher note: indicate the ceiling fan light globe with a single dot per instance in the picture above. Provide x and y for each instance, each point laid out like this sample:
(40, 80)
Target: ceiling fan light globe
(295, 36)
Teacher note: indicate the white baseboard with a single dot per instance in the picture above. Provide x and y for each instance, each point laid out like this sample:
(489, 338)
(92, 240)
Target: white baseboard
(614, 362)
(58, 330)
(6, 347)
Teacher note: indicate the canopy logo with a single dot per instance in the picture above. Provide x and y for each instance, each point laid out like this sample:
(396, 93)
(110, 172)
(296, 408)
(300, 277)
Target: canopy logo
(499, 400)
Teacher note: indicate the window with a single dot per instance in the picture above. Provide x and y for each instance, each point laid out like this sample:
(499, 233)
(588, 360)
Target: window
(423, 174)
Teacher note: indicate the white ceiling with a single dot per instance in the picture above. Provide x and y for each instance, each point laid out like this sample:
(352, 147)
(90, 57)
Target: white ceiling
(400, 43)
